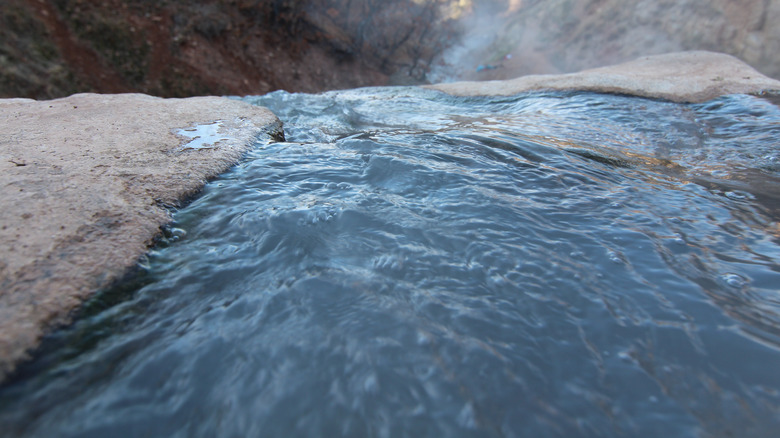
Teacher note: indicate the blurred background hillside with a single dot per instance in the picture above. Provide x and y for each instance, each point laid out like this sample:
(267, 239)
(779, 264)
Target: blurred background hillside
(522, 37)
(53, 48)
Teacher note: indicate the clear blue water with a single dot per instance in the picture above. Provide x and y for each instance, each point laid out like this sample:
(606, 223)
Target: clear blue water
(410, 264)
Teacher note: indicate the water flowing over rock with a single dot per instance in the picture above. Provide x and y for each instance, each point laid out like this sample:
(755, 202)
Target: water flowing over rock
(409, 263)
(86, 185)
(87, 179)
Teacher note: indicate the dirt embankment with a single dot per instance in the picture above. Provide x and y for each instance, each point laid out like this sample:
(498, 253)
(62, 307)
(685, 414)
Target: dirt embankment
(54, 48)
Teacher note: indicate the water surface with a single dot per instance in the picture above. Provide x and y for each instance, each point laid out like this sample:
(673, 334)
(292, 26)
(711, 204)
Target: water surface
(413, 264)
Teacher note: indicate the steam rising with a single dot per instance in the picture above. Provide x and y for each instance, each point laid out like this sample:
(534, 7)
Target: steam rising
(502, 39)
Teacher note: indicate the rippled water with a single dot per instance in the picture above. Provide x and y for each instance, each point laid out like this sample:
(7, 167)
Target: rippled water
(412, 264)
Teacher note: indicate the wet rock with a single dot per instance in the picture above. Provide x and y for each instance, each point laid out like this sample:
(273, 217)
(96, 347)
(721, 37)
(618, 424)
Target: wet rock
(84, 185)
(696, 76)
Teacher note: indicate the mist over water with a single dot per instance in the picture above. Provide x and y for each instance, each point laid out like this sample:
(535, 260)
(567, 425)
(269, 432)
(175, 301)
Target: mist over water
(413, 264)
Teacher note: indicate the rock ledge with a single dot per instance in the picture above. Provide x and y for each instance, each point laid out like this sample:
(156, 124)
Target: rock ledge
(85, 185)
(679, 77)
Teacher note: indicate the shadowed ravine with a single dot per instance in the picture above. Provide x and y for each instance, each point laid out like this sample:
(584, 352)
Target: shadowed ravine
(414, 264)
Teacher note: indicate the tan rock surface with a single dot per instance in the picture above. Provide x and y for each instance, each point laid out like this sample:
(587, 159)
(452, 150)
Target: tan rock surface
(84, 185)
(680, 77)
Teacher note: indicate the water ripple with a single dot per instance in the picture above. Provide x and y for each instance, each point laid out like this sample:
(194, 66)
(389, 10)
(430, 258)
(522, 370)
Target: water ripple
(412, 264)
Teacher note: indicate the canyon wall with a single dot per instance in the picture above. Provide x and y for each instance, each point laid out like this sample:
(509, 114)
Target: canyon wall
(54, 48)
(562, 36)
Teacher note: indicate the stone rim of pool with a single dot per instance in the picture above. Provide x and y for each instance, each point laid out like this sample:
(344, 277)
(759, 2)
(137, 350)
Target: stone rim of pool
(88, 182)
(87, 179)
(685, 77)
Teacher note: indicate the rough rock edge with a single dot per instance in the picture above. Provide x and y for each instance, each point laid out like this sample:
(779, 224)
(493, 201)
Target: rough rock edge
(85, 185)
(686, 77)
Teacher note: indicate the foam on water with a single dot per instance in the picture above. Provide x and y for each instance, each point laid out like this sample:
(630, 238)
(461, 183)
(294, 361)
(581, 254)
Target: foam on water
(412, 264)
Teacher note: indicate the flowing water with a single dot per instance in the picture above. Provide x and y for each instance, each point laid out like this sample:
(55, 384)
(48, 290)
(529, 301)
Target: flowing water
(409, 264)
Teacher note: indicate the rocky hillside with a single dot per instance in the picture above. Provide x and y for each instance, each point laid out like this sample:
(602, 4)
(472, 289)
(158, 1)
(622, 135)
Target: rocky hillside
(53, 48)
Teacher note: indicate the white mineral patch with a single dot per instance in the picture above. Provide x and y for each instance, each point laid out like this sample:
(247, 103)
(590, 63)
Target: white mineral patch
(204, 136)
